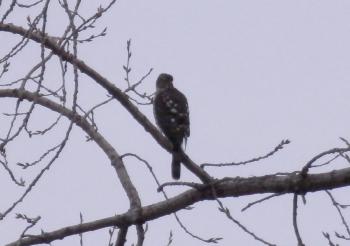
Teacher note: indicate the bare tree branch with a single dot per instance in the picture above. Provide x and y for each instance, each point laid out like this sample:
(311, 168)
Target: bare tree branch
(226, 188)
(121, 239)
(33, 91)
(271, 153)
(260, 201)
(343, 220)
(79, 120)
(116, 92)
(295, 223)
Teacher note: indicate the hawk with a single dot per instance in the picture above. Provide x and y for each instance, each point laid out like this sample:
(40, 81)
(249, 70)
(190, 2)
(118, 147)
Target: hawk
(172, 117)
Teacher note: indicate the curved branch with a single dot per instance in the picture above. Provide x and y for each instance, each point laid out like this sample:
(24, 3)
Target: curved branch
(226, 187)
(79, 120)
(49, 43)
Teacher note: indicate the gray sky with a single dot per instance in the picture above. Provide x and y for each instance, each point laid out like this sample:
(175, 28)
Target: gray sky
(255, 72)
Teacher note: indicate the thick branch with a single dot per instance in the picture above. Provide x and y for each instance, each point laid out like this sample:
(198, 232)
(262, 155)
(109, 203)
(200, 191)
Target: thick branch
(113, 90)
(223, 188)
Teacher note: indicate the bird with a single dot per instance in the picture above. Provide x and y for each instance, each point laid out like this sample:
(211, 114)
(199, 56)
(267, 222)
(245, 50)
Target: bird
(171, 113)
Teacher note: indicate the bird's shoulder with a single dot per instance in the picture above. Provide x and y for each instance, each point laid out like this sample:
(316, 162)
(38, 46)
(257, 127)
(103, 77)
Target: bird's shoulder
(170, 94)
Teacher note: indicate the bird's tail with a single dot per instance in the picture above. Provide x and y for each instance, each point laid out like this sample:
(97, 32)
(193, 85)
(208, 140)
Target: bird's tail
(176, 166)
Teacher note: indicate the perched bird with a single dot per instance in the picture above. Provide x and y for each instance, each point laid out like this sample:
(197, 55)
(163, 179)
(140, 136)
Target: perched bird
(172, 117)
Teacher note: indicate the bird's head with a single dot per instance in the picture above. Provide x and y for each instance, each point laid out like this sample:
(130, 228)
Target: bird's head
(164, 81)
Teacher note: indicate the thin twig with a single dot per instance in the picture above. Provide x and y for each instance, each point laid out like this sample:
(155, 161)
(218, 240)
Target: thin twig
(308, 165)
(328, 237)
(170, 239)
(337, 206)
(260, 200)
(80, 234)
(295, 224)
(276, 149)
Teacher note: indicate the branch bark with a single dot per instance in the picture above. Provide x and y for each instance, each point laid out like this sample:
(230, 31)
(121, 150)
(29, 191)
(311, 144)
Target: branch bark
(49, 43)
(79, 120)
(227, 187)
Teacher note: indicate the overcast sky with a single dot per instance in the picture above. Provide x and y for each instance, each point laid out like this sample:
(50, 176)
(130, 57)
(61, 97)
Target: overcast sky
(255, 72)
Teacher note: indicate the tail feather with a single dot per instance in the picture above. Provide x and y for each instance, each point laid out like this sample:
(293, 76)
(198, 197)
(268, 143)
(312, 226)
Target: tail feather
(176, 167)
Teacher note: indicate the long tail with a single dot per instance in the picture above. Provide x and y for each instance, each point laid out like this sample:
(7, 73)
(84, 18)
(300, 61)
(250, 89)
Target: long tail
(176, 166)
